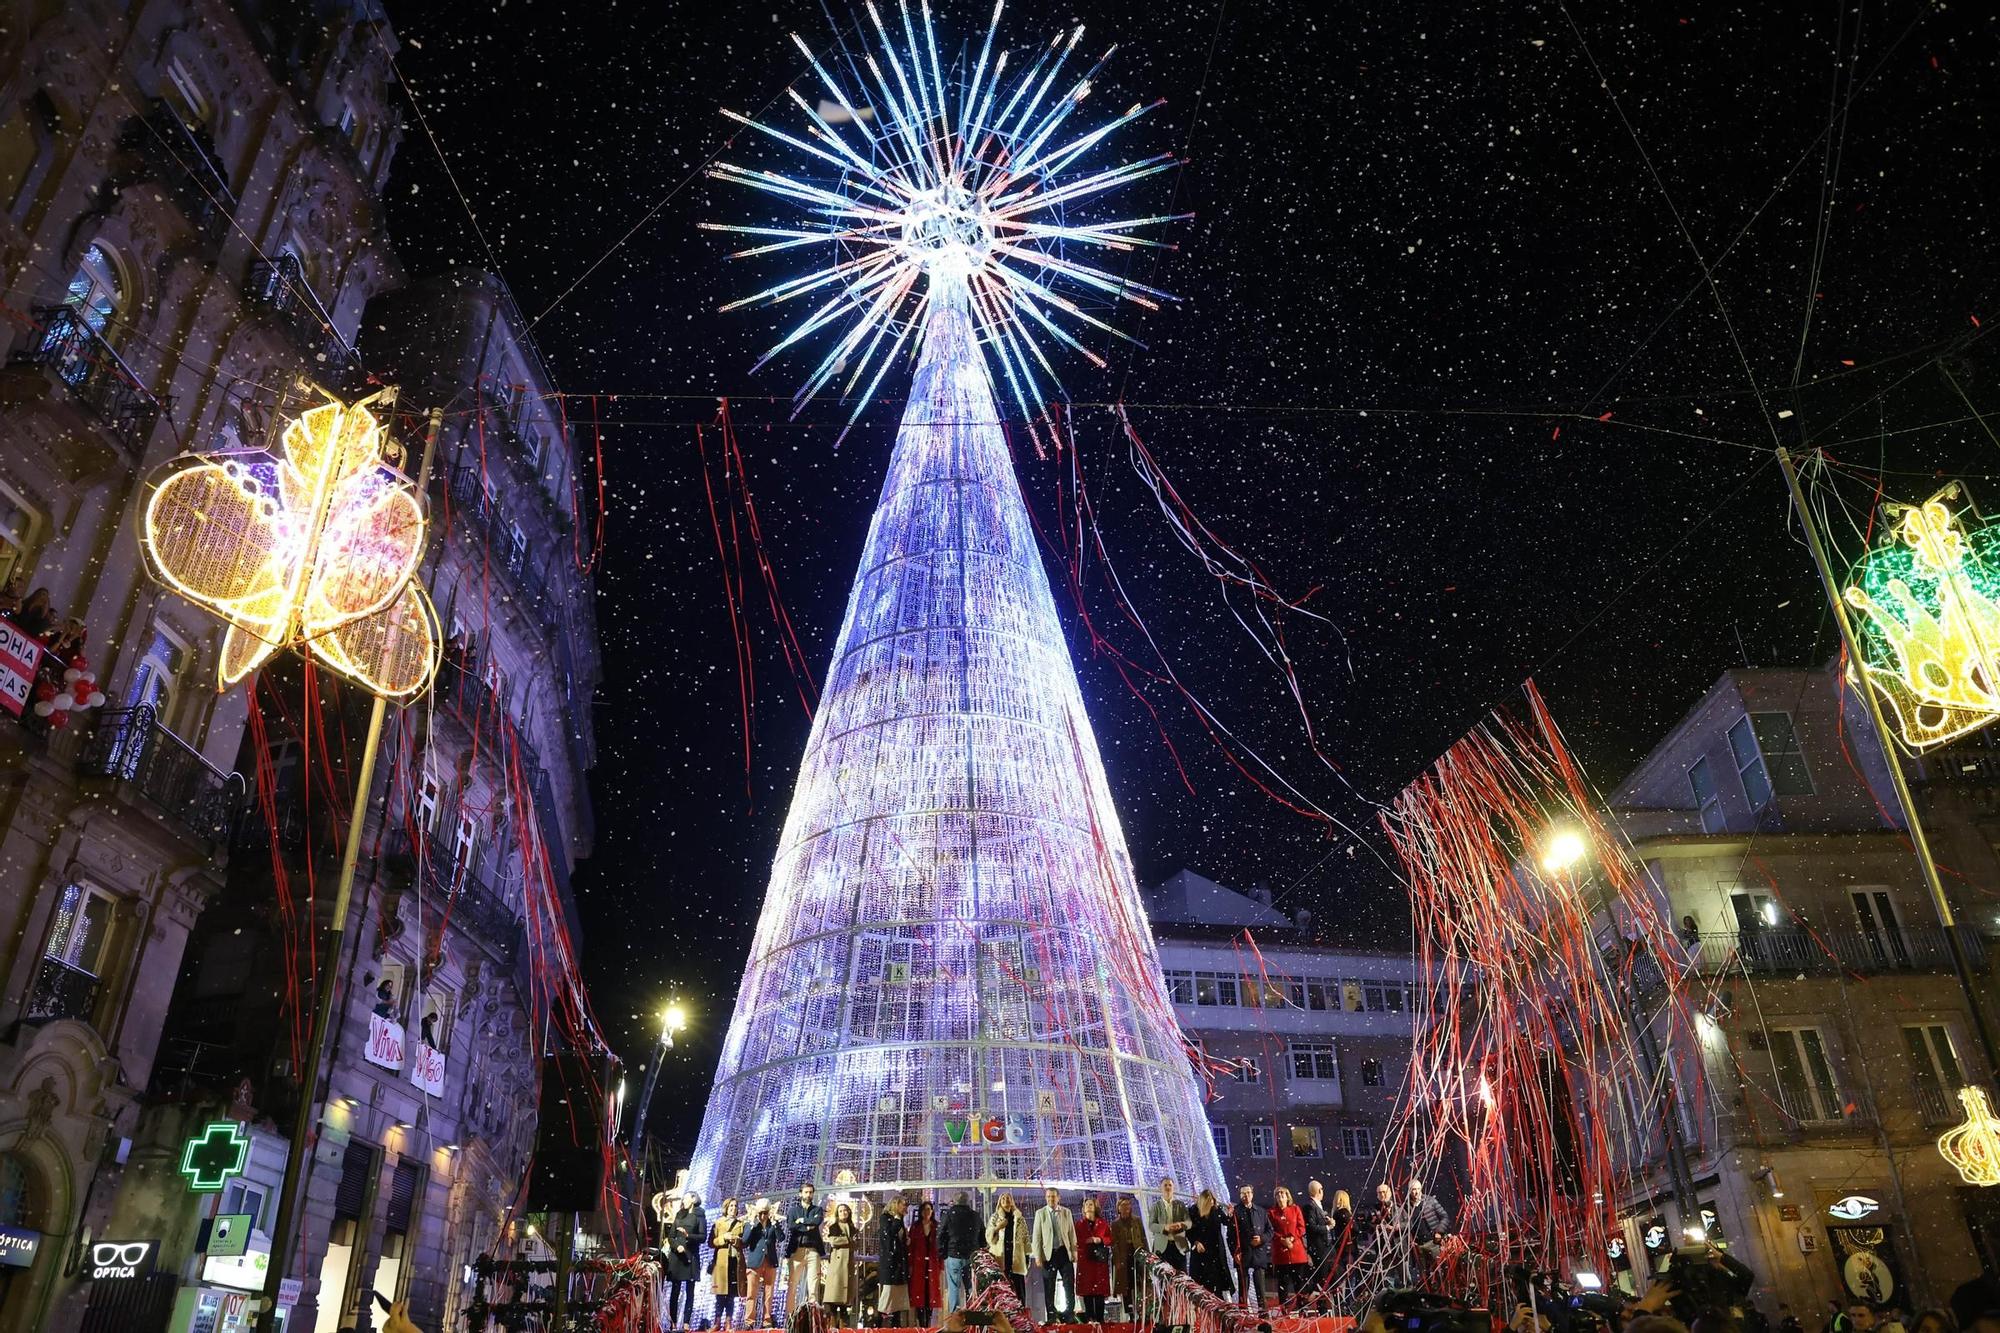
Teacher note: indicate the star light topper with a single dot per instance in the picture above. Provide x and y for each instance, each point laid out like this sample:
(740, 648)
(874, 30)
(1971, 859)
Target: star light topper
(1930, 603)
(314, 548)
(961, 191)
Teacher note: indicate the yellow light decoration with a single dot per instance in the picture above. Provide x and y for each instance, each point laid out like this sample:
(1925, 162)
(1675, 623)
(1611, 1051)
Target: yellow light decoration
(1930, 603)
(314, 548)
(1973, 1148)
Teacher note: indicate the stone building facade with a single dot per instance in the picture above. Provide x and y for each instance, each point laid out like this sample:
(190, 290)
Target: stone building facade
(1316, 1039)
(1833, 1034)
(191, 244)
(188, 223)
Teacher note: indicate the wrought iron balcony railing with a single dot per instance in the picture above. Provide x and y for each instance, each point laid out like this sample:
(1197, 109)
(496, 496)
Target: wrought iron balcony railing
(61, 991)
(1938, 1104)
(1780, 952)
(279, 286)
(183, 160)
(130, 746)
(94, 376)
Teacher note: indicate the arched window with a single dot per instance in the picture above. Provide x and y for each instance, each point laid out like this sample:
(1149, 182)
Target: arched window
(97, 291)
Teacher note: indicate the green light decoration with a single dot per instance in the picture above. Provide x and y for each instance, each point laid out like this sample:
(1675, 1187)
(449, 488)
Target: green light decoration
(216, 1157)
(1929, 598)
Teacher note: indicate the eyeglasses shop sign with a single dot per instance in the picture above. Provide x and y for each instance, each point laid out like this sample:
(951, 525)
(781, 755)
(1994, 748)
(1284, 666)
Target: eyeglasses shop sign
(122, 1260)
(18, 1247)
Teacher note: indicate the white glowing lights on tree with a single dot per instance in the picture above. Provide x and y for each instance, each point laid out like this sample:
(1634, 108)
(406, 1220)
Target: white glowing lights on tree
(963, 177)
(952, 934)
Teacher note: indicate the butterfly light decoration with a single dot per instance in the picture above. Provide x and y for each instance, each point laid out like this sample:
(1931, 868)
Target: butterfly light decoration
(312, 547)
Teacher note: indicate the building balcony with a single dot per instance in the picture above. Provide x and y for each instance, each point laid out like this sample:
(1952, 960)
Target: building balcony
(61, 991)
(1939, 1105)
(131, 748)
(279, 287)
(1783, 952)
(487, 520)
(183, 160)
(87, 377)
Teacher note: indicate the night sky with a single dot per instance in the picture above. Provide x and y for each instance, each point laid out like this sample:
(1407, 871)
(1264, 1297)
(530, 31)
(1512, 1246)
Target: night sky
(1430, 250)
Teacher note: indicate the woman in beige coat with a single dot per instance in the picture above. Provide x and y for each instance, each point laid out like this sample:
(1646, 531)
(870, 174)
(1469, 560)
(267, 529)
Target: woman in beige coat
(1007, 1236)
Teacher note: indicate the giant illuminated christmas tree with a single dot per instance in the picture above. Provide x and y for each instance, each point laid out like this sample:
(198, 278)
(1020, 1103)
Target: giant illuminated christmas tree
(953, 981)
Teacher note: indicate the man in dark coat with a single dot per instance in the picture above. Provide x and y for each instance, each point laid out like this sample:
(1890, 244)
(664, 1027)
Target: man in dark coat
(1319, 1232)
(964, 1235)
(892, 1263)
(1249, 1232)
(805, 1248)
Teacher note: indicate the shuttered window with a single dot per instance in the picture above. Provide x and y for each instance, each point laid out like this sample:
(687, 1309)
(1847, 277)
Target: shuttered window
(357, 1168)
(403, 1187)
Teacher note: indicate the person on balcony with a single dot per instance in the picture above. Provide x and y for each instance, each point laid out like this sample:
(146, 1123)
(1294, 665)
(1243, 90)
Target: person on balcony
(35, 614)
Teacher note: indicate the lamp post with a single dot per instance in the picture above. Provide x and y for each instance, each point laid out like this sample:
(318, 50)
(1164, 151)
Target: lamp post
(672, 1019)
(1563, 853)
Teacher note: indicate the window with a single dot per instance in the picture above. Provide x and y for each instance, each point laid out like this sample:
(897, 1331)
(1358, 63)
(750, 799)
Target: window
(17, 535)
(97, 291)
(464, 846)
(185, 95)
(1768, 758)
(428, 793)
(348, 122)
(1314, 993)
(1784, 758)
(1263, 1142)
(1314, 1060)
(157, 676)
(1248, 1070)
(1371, 1074)
(1357, 1141)
(1305, 1140)
(1805, 1074)
(81, 932)
(1220, 1133)
(388, 1001)
(1375, 997)
(1875, 910)
(1350, 996)
(1939, 1075)
(517, 545)
(532, 446)
(1706, 798)
(1215, 988)
(496, 679)
(435, 1025)
(1180, 987)
(240, 1196)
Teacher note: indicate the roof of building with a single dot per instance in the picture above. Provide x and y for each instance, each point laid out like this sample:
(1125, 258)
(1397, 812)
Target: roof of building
(1190, 899)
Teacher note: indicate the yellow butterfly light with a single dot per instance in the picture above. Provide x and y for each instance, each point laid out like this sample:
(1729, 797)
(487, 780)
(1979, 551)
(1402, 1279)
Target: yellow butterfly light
(313, 548)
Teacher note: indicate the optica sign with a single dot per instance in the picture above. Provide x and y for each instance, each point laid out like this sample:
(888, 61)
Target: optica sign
(987, 1132)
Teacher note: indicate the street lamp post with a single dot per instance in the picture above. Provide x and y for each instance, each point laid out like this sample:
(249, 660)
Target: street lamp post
(672, 1019)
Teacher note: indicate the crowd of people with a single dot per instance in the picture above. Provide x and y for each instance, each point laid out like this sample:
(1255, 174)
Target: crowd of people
(904, 1260)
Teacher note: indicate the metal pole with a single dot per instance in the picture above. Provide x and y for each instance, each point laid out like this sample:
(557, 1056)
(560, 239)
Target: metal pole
(284, 1234)
(1912, 824)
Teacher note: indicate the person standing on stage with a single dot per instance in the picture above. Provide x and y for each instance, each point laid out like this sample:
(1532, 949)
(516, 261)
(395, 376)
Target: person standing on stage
(1208, 1245)
(1249, 1246)
(963, 1236)
(682, 1242)
(926, 1263)
(1290, 1265)
(1093, 1260)
(762, 1240)
(1052, 1246)
(1167, 1227)
(892, 1264)
(1007, 1237)
(1128, 1238)
(805, 1250)
(1319, 1231)
(725, 1277)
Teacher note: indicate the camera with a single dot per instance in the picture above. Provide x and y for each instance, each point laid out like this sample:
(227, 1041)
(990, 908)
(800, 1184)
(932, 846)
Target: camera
(1703, 1279)
(1427, 1312)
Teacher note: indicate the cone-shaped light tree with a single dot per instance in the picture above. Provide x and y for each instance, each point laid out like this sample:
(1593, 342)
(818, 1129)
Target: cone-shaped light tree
(953, 982)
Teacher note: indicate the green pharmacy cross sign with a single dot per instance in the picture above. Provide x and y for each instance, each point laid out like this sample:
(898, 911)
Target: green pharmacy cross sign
(218, 1154)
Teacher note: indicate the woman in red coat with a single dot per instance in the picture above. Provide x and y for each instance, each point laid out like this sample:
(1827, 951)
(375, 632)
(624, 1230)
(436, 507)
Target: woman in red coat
(926, 1264)
(1093, 1264)
(1290, 1264)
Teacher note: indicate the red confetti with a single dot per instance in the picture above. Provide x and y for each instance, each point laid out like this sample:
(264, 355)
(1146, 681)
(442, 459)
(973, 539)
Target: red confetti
(1556, 434)
(1974, 319)
(1605, 417)
(1845, 362)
